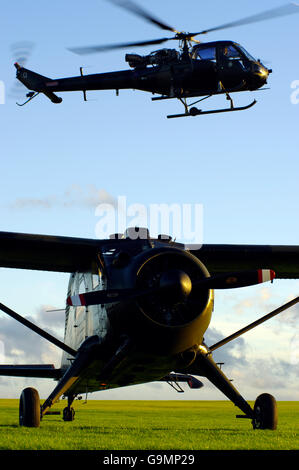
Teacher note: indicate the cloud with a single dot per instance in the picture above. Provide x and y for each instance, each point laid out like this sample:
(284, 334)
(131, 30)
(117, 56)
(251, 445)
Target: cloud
(50, 317)
(258, 299)
(23, 346)
(232, 354)
(291, 316)
(75, 196)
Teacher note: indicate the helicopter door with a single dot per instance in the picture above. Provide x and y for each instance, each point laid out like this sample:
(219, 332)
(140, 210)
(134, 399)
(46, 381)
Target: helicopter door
(206, 63)
(230, 66)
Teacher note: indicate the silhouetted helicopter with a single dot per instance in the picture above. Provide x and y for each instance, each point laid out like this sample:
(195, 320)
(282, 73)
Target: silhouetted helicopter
(204, 70)
(137, 311)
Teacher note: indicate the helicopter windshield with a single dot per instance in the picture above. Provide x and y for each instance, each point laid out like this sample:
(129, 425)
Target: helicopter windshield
(248, 56)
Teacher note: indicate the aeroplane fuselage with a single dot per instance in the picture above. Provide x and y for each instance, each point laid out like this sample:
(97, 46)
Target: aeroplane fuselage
(163, 332)
(137, 311)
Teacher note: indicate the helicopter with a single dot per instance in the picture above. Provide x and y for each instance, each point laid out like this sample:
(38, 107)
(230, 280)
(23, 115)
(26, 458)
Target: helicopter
(202, 70)
(137, 309)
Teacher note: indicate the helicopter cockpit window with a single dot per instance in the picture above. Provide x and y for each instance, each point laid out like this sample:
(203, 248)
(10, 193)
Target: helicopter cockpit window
(247, 55)
(230, 52)
(232, 58)
(206, 53)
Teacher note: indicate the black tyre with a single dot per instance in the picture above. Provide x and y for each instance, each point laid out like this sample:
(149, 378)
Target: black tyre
(265, 412)
(29, 408)
(68, 414)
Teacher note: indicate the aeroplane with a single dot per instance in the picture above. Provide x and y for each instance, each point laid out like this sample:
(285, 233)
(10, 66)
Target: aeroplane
(202, 70)
(137, 309)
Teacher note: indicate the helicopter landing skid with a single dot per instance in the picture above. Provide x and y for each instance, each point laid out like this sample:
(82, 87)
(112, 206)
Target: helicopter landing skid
(197, 112)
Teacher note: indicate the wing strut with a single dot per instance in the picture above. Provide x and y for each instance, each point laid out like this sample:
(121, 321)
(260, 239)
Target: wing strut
(38, 330)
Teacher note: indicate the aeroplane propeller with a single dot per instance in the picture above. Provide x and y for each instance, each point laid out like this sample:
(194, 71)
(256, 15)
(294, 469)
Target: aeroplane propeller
(173, 281)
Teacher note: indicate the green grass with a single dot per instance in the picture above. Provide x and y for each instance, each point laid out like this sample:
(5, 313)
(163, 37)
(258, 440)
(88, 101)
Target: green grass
(149, 425)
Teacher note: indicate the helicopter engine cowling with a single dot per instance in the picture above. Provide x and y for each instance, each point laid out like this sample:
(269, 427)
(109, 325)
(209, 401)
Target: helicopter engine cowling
(136, 60)
(162, 56)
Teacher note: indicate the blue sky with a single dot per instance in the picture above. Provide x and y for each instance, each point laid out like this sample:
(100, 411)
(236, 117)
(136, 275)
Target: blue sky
(242, 167)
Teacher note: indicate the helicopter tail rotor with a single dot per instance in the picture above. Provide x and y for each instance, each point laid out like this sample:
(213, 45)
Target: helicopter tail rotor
(20, 53)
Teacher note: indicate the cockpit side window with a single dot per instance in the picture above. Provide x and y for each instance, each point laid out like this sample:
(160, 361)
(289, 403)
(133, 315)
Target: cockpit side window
(206, 53)
(231, 58)
(230, 52)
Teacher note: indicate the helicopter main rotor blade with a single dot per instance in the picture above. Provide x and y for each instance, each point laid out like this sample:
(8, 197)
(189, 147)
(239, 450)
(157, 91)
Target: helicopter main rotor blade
(109, 47)
(284, 10)
(137, 10)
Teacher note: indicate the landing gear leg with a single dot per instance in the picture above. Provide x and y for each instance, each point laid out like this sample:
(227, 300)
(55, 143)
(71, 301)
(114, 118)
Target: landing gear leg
(68, 411)
(208, 368)
(264, 413)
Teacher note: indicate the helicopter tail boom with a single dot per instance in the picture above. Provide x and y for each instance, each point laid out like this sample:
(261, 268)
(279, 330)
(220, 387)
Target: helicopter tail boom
(37, 83)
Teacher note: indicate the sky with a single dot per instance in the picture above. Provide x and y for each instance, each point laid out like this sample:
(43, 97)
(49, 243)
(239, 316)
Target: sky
(59, 162)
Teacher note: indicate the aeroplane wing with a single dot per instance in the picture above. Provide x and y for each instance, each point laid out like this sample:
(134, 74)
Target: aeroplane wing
(69, 254)
(47, 252)
(283, 259)
(46, 371)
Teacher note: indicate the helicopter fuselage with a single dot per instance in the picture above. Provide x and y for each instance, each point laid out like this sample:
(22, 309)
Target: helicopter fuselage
(205, 71)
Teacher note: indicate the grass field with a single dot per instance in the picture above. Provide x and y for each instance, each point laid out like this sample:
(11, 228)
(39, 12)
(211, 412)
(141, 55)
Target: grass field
(149, 425)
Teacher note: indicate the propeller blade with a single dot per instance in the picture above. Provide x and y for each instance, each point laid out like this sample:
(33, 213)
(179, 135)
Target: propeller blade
(237, 279)
(222, 281)
(284, 10)
(141, 12)
(109, 47)
(105, 297)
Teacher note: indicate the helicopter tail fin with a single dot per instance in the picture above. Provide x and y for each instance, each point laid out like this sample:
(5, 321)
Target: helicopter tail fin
(37, 83)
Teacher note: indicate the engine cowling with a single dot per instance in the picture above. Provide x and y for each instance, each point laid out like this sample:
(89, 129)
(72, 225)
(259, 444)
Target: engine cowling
(176, 315)
(172, 273)
(171, 312)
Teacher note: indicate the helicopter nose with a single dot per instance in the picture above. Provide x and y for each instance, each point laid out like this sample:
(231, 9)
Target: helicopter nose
(259, 75)
(263, 72)
(260, 71)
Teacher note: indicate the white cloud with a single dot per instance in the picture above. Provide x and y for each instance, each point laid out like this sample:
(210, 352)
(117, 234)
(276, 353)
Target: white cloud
(75, 196)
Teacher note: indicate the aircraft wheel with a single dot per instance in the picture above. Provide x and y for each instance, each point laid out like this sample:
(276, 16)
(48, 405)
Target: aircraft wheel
(68, 414)
(265, 411)
(29, 408)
